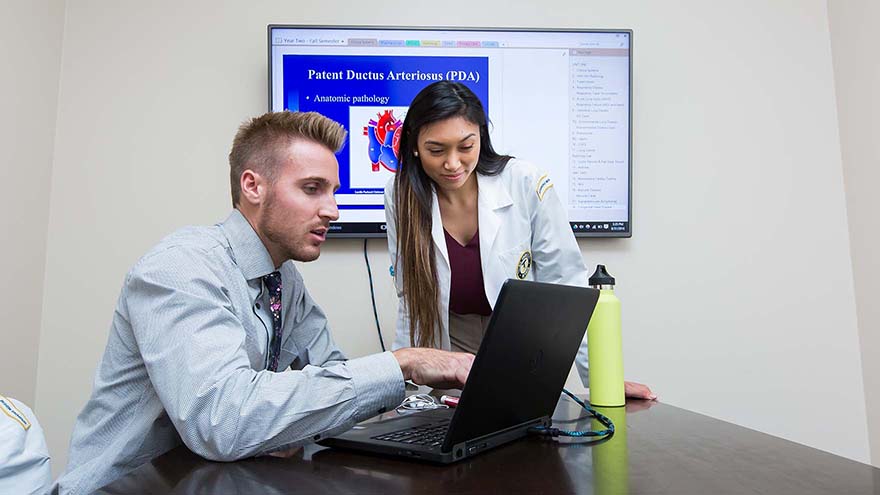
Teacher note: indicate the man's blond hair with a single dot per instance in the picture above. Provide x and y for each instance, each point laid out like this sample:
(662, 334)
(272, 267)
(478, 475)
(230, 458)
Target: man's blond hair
(259, 140)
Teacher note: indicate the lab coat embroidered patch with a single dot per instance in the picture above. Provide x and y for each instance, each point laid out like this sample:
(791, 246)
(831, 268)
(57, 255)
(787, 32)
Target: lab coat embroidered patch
(9, 408)
(544, 185)
(525, 263)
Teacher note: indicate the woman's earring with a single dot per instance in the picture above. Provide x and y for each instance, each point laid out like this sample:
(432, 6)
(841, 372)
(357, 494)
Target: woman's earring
(416, 153)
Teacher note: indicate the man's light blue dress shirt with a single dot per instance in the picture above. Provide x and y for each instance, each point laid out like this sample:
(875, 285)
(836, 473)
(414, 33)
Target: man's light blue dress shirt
(185, 362)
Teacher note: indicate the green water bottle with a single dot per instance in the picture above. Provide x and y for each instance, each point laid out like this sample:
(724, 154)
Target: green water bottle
(605, 344)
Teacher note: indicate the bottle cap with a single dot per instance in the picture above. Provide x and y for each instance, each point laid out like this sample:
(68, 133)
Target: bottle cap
(601, 277)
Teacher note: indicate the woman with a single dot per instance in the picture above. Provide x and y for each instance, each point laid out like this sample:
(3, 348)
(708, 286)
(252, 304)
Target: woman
(462, 219)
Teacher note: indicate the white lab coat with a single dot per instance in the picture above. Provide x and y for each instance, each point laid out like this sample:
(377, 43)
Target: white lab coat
(518, 212)
(24, 457)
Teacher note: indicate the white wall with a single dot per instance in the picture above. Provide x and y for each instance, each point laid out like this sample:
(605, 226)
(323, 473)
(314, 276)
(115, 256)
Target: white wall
(30, 48)
(737, 284)
(857, 76)
(730, 306)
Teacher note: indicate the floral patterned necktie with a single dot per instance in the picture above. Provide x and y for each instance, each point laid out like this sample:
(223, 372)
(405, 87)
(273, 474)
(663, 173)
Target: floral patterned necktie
(273, 283)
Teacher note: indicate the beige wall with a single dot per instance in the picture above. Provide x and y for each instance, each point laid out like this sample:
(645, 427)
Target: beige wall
(854, 38)
(30, 50)
(739, 196)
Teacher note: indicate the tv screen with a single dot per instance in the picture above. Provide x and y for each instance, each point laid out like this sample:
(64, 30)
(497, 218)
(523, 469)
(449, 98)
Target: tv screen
(560, 99)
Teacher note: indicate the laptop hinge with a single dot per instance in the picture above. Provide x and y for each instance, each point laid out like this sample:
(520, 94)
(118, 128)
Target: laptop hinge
(475, 444)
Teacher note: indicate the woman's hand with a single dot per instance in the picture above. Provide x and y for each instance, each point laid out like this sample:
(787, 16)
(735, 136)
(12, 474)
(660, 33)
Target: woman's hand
(635, 390)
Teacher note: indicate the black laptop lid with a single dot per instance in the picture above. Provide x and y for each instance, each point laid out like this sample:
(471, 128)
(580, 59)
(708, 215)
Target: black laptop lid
(524, 359)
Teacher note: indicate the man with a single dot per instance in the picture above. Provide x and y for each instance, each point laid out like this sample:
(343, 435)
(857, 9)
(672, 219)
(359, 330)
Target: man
(215, 342)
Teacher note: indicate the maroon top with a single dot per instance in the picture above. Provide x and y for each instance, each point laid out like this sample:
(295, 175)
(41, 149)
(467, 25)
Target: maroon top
(466, 293)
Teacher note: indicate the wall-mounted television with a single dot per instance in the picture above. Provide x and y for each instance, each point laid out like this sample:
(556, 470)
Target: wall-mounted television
(560, 98)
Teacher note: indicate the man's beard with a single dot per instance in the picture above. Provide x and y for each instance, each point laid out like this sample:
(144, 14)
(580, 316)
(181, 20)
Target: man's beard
(273, 227)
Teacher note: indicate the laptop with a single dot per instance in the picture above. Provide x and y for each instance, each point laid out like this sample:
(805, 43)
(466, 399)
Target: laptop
(514, 383)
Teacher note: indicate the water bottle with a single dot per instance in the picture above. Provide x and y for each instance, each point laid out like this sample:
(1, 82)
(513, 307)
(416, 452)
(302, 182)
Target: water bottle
(605, 344)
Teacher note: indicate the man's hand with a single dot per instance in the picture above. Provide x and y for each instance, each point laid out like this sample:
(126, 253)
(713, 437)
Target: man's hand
(433, 367)
(287, 454)
(638, 391)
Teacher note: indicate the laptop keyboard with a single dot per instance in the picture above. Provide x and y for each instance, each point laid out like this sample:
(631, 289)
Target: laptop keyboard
(431, 435)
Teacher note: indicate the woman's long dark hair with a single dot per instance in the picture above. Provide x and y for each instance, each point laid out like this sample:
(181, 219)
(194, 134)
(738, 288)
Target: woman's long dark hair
(413, 199)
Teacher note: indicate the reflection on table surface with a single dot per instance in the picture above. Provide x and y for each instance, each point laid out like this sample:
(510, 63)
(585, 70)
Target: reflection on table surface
(656, 449)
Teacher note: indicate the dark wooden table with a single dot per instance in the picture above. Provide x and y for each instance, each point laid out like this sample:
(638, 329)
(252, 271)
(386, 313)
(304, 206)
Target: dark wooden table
(658, 449)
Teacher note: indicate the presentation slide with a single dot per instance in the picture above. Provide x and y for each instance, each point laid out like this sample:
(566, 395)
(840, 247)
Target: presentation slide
(369, 95)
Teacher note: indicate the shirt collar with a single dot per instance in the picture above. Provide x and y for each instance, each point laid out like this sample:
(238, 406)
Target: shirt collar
(248, 250)
(492, 192)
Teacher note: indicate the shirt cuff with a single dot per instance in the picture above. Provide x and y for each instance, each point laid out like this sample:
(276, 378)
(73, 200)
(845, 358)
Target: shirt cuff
(378, 384)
